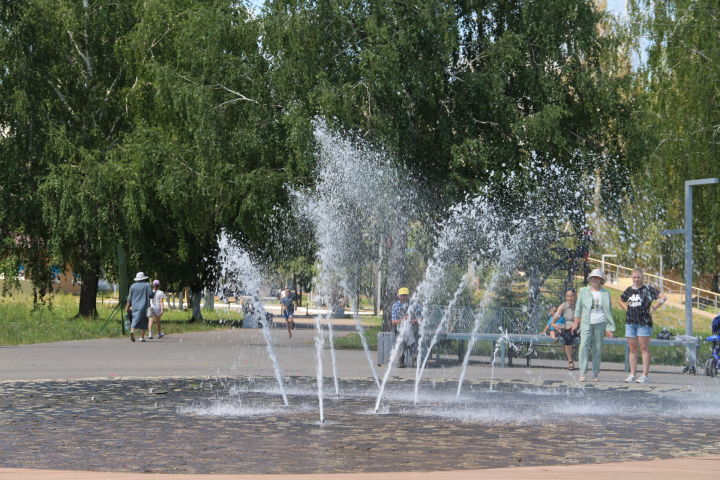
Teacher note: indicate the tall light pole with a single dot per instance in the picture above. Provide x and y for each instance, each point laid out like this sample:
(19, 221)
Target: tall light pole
(602, 260)
(687, 231)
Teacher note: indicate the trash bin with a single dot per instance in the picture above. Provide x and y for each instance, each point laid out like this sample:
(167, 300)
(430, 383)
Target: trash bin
(251, 320)
(385, 343)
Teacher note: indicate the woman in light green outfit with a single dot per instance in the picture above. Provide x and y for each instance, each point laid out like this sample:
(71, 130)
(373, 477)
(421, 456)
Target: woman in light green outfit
(593, 312)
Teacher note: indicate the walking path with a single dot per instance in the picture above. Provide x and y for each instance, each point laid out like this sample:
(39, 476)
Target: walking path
(235, 352)
(700, 468)
(676, 300)
(620, 279)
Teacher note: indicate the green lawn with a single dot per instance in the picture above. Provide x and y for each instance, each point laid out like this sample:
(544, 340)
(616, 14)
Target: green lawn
(352, 341)
(22, 323)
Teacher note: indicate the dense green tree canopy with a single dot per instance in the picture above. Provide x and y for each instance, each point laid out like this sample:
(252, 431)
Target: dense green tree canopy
(156, 124)
(679, 89)
(456, 89)
(63, 114)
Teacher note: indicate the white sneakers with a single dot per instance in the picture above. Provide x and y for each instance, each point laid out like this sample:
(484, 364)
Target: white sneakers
(640, 379)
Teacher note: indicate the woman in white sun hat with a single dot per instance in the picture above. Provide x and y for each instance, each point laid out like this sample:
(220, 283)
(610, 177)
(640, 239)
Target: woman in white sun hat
(138, 301)
(594, 314)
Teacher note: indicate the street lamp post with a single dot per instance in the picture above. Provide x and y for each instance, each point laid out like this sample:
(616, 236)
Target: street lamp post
(602, 260)
(687, 231)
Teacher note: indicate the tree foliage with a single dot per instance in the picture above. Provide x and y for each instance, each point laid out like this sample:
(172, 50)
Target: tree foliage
(156, 124)
(677, 85)
(62, 114)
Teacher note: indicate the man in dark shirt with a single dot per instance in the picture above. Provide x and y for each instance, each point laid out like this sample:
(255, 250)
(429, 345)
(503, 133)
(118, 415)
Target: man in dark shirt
(288, 310)
(637, 300)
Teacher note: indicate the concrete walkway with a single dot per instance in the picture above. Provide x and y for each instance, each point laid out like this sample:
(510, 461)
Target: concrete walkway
(238, 352)
(700, 468)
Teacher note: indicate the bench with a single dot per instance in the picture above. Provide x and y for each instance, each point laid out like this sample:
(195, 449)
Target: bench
(690, 343)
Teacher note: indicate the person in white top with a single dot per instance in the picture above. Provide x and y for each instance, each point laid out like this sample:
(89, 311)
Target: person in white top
(156, 302)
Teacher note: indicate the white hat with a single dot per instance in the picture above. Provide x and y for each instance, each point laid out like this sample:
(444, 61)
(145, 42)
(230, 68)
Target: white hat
(597, 273)
(140, 277)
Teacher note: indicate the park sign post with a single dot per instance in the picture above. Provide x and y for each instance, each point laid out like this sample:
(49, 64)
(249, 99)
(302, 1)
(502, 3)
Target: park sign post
(124, 287)
(687, 231)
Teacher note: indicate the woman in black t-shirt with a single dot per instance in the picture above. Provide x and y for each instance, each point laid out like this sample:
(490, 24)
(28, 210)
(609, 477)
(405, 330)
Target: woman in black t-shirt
(637, 300)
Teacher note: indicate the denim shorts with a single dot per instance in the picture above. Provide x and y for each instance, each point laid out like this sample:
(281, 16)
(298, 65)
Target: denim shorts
(632, 330)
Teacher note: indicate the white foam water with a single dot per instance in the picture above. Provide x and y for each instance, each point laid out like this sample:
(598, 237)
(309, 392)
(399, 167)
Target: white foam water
(238, 270)
(237, 409)
(319, 366)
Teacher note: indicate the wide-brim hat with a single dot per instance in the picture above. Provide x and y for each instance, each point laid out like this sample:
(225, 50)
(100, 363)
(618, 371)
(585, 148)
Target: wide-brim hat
(139, 277)
(597, 273)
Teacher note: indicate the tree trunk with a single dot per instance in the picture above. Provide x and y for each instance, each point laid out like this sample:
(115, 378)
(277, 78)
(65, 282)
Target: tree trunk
(88, 293)
(209, 300)
(195, 297)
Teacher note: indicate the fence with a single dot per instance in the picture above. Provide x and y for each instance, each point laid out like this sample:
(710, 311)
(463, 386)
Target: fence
(701, 298)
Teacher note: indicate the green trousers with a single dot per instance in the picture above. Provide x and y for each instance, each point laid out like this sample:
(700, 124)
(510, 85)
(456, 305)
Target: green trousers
(591, 339)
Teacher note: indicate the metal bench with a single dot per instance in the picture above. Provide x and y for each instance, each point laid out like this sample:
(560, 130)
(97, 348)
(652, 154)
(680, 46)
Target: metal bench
(386, 339)
(691, 343)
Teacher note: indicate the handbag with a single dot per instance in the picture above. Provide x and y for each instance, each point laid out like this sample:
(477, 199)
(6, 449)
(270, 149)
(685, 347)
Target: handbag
(149, 312)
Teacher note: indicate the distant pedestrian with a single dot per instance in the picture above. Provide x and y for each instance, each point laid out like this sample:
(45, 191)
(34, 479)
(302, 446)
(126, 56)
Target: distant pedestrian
(564, 322)
(594, 316)
(637, 300)
(287, 306)
(138, 302)
(158, 309)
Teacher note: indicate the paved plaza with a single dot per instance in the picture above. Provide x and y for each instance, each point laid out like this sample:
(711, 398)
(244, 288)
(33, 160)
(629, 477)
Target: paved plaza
(207, 403)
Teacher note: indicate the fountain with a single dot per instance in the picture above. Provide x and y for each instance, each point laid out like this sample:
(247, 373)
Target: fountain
(424, 419)
(238, 270)
(361, 196)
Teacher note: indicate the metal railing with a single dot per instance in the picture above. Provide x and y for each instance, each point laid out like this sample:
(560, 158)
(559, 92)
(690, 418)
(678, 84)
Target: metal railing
(701, 298)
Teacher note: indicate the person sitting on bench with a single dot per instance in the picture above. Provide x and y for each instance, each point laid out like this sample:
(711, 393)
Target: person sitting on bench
(549, 328)
(564, 322)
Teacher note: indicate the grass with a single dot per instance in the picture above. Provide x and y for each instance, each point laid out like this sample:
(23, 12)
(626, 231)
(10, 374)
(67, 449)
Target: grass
(22, 323)
(352, 341)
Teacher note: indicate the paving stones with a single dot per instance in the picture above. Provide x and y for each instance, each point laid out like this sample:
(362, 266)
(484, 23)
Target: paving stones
(239, 425)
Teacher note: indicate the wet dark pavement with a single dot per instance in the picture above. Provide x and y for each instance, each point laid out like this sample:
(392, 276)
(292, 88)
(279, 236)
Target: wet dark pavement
(240, 425)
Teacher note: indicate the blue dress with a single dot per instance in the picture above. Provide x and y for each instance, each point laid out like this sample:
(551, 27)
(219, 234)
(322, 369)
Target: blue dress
(139, 297)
